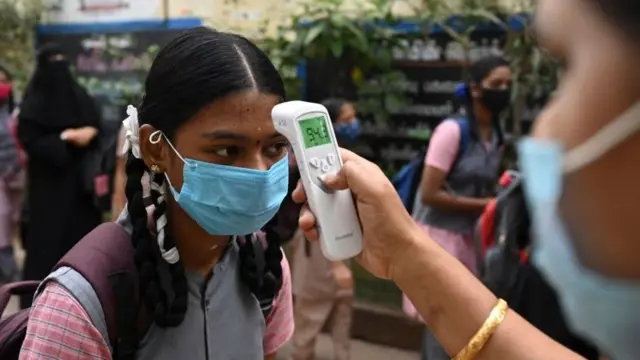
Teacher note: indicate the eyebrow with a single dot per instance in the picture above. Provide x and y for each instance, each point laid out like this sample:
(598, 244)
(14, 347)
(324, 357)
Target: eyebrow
(230, 135)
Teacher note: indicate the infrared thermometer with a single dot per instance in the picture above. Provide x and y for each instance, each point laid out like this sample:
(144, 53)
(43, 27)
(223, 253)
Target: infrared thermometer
(308, 128)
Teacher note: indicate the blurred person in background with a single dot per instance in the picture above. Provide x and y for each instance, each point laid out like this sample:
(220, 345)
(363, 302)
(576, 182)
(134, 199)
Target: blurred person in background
(323, 289)
(11, 181)
(462, 168)
(119, 198)
(581, 187)
(345, 120)
(57, 126)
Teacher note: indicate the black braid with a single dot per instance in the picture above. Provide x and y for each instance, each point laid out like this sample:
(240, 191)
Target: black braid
(174, 313)
(147, 254)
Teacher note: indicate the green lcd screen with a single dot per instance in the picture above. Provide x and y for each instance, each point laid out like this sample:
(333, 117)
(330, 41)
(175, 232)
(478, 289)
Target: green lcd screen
(315, 132)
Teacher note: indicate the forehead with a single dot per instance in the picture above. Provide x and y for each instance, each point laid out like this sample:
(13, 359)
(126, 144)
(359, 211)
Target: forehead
(501, 72)
(347, 110)
(246, 113)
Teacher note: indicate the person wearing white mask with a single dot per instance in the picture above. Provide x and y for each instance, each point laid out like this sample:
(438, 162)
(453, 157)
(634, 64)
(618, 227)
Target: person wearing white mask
(581, 183)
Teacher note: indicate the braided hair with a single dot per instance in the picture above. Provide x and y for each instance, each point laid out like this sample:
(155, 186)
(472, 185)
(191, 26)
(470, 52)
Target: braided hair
(198, 67)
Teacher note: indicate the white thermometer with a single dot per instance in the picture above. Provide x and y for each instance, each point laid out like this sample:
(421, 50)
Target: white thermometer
(308, 128)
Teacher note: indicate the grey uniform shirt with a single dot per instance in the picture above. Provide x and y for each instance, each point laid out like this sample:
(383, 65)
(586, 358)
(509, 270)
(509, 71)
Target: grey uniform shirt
(223, 319)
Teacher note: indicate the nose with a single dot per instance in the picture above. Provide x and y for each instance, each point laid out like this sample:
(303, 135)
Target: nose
(257, 162)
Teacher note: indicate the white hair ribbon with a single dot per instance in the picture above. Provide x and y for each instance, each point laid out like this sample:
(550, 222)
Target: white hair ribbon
(132, 128)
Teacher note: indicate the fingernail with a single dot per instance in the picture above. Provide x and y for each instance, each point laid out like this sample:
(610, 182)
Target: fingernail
(323, 177)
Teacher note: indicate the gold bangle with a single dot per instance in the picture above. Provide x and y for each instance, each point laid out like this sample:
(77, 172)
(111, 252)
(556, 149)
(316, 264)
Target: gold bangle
(480, 339)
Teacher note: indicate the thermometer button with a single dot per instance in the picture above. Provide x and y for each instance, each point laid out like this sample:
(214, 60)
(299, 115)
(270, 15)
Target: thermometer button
(314, 162)
(331, 158)
(325, 166)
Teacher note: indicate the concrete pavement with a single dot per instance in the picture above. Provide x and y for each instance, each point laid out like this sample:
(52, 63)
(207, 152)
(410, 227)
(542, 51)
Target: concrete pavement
(360, 350)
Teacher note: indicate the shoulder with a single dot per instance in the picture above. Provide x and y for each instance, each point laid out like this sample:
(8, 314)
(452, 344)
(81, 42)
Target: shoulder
(448, 128)
(443, 145)
(60, 327)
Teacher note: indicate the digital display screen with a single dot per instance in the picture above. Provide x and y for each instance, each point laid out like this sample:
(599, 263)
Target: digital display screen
(315, 132)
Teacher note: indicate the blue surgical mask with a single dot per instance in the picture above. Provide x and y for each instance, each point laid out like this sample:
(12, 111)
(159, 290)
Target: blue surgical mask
(603, 309)
(348, 131)
(230, 200)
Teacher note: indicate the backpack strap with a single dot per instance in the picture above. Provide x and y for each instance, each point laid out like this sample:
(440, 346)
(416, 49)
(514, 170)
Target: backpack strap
(100, 272)
(84, 293)
(465, 138)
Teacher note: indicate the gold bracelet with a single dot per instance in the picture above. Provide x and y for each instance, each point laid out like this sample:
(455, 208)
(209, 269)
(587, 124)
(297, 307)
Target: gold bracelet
(480, 339)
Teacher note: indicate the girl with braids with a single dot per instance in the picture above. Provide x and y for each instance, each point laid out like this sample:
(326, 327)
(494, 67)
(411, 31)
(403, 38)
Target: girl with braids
(460, 177)
(205, 168)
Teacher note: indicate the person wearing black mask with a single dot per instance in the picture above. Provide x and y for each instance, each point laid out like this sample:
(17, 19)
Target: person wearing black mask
(58, 124)
(462, 168)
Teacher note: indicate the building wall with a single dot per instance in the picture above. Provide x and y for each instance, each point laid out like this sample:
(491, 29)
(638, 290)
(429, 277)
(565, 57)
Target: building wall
(248, 17)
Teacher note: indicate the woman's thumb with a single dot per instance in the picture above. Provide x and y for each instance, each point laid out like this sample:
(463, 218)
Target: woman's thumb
(336, 181)
(343, 179)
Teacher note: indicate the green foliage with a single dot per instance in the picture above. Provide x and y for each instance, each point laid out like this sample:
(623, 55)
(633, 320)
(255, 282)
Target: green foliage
(535, 73)
(352, 45)
(18, 20)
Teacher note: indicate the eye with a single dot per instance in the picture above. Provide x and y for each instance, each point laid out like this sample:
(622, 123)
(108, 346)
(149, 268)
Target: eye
(227, 151)
(277, 149)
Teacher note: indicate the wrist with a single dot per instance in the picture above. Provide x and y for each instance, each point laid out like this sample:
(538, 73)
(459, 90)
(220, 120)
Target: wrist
(409, 245)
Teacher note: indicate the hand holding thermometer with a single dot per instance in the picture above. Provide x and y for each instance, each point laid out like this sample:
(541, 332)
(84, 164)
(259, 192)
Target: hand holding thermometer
(308, 128)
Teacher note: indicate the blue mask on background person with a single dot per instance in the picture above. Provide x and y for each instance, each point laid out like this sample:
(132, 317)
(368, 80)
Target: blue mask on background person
(348, 131)
(603, 309)
(230, 200)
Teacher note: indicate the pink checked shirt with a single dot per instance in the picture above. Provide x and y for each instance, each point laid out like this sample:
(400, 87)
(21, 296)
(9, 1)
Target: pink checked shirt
(59, 328)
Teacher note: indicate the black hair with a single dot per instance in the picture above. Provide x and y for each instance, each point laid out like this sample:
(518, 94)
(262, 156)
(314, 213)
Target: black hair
(479, 71)
(334, 107)
(623, 14)
(198, 67)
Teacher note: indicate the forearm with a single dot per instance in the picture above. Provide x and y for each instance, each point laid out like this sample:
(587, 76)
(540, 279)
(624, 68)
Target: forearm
(447, 201)
(455, 304)
(118, 199)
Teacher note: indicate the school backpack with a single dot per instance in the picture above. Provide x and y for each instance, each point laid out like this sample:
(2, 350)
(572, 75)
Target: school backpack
(407, 181)
(105, 259)
(503, 244)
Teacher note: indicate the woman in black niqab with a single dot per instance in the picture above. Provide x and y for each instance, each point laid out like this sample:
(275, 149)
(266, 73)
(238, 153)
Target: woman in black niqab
(58, 125)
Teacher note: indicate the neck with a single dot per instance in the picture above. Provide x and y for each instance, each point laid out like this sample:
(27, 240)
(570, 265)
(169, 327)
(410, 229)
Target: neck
(199, 251)
(483, 116)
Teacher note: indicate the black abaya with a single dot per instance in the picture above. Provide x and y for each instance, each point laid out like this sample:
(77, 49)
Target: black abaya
(60, 211)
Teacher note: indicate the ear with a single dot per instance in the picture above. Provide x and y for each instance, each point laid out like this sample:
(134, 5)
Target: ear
(475, 91)
(153, 153)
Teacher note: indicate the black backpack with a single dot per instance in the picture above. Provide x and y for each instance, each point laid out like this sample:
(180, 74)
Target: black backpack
(514, 278)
